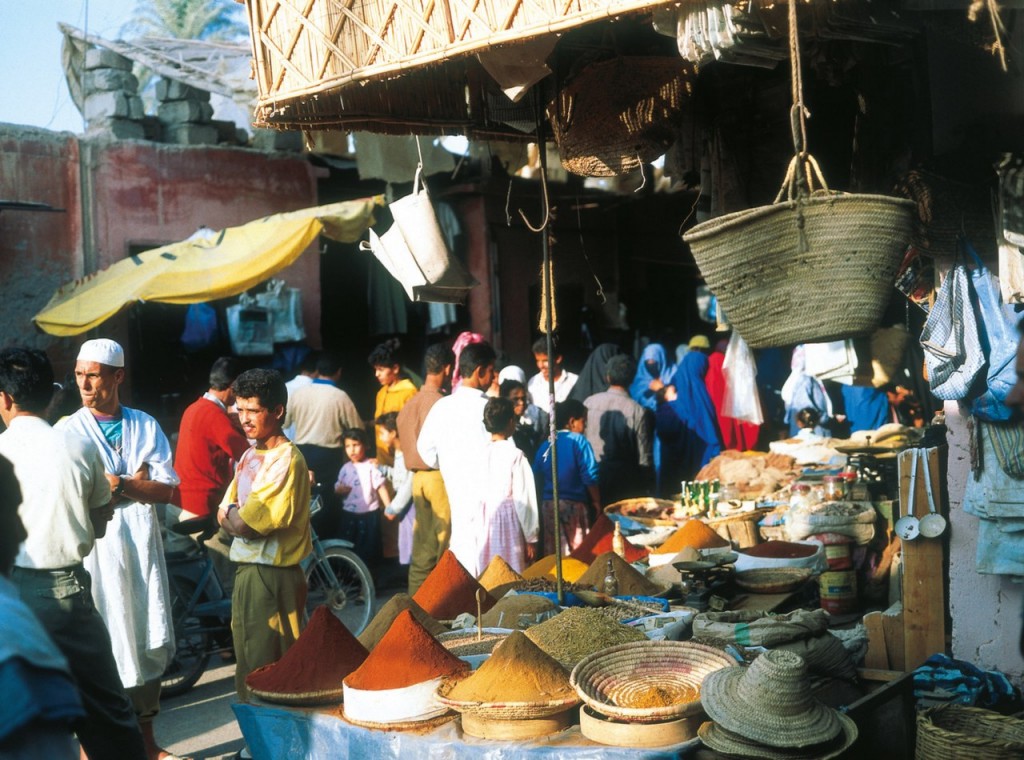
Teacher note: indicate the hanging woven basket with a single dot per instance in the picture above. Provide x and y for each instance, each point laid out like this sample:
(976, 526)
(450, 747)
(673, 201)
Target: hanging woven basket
(616, 115)
(813, 266)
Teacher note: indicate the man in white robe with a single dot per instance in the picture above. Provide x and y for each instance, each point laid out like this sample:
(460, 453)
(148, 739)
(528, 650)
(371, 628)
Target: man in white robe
(454, 441)
(128, 570)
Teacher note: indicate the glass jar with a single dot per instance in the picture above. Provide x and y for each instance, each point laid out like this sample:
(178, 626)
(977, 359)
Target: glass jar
(833, 488)
(800, 496)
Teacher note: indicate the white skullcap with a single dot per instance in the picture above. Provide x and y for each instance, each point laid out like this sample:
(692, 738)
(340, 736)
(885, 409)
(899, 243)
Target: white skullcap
(102, 351)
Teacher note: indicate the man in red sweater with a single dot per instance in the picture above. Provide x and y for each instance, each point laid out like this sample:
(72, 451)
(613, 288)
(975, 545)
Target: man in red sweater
(209, 443)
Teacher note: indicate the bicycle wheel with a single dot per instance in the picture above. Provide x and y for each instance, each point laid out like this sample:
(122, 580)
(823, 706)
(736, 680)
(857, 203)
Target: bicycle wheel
(352, 598)
(192, 645)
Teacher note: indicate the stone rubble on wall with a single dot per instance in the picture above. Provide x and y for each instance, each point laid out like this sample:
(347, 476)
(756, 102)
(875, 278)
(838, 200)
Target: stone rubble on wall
(112, 104)
(113, 108)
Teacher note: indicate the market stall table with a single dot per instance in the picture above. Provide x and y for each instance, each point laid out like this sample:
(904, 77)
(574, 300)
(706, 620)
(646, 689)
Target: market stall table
(274, 732)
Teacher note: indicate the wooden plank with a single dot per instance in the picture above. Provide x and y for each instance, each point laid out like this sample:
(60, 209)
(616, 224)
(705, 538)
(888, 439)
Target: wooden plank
(892, 627)
(887, 676)
(924, 598)
(877, 657)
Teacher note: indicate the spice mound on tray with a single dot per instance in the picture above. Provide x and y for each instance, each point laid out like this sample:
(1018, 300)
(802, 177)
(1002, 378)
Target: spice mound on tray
(517, 671)
(407, 655)
(498, 573)
(315, 665)
(599, 540)
(631, 582)
(659, 696)
(781, 550)
(382, 621)
(519, 611)
(693, 534)
(572, 569)
(579, 631)
(450, 590)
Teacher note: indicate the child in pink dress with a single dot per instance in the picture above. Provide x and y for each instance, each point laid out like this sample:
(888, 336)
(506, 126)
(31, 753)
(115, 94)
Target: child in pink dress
(509, 522)
(363, 489)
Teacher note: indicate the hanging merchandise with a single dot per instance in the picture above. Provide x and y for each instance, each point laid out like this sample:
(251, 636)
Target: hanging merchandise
(997, 329)
(953, 354)
(415, 254)
(614, 116)
(200, 327)
(775, 269)
(285, 306)
(741, 400)
(250, 328)
(1011, 272)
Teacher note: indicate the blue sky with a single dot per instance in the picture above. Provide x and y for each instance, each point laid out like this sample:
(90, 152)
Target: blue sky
(34, 91)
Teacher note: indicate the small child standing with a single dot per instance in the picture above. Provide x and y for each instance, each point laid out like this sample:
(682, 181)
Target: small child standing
(363, 488)
(401, 485)
(508, 513)
(577, 478)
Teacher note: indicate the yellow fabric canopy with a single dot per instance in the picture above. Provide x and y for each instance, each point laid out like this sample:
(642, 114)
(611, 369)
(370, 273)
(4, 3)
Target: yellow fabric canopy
(193, 271)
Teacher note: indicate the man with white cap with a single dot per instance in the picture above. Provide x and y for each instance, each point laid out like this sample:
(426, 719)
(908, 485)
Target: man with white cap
(64, 510)
(128, 566)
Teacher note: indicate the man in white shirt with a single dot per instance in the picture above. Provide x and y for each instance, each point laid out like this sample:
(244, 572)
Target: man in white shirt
(304, 377)
(453, 440)
(538, 385)
(319, 413)
(65, 508)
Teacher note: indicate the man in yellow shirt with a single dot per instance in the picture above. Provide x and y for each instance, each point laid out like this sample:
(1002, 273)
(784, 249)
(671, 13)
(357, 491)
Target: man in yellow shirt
(266, 508)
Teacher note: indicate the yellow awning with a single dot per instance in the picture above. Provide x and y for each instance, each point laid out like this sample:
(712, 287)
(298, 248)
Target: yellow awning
(194, 271)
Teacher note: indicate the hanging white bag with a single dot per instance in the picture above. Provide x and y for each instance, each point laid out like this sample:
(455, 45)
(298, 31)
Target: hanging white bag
(741, 400)
(415, 253)
(250, 327)
(285, 304)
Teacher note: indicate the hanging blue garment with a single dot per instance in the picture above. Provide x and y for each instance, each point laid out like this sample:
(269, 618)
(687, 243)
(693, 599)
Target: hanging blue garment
(867, 408)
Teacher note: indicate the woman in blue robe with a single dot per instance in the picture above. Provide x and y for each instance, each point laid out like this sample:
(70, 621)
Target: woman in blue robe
(686, 425)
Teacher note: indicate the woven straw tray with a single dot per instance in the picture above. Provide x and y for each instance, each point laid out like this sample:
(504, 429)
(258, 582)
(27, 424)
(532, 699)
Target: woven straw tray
(505, 710)
(308, 699)
(772, 580)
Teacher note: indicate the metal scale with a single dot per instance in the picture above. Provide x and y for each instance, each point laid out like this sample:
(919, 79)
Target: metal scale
(704, 581)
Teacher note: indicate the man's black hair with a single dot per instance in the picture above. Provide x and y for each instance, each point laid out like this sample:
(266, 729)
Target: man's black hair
(540, 346)
(328, 363)
(266, 385)
(308, 362)
(437, 357)
(26, 376)
(570, 409)
(620, 370)
(223, 373)
(355, 434)
(498, 415)
(808, 417)
(385, 354)
(388, 421)
(507, 386)
(475, 356)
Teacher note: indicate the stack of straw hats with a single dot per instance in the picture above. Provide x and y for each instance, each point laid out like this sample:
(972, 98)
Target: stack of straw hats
(767, 711)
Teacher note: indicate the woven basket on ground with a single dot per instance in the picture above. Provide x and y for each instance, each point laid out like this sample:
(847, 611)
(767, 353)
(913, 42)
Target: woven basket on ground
(615, 115)
(809, 269)
(505, 710)
(955, 732)
(616, 680)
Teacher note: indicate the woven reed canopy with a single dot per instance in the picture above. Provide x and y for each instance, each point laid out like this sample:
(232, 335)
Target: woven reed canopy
(406, 66)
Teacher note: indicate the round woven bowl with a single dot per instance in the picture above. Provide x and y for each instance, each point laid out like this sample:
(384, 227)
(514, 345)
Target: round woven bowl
(505, 710)
(652, 512)
(330, 696)
(772, 580)
(956, 732)
(614, 680)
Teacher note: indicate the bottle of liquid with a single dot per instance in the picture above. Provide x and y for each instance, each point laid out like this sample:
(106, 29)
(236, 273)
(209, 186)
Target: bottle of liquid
(611, 583)
(618, 542)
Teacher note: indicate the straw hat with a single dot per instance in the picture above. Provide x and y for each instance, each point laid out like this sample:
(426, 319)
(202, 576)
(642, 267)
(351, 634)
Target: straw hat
(770, 702)
(725, 741)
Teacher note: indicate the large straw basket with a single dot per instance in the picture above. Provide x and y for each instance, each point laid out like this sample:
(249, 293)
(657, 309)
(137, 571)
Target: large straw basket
(506, 710)
(614, 678)
(303, 699)
(955, 732)
(808, 269)
(615, 115)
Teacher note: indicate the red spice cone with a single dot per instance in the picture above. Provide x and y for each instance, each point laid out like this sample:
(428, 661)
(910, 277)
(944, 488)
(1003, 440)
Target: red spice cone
(450, 590)
(599, 540)
(318, 661)
(407, 655)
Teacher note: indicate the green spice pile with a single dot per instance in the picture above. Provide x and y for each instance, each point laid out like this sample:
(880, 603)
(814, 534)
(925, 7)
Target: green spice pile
(579, 631)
